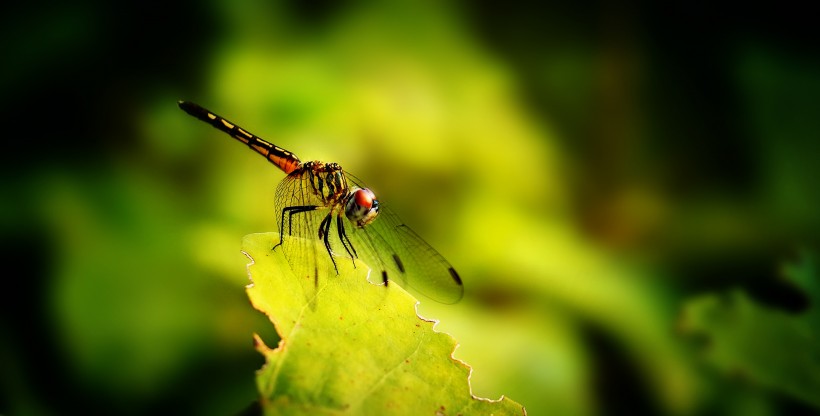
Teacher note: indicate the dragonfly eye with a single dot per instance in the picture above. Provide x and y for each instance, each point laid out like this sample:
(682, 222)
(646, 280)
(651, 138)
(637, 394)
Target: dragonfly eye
(362, 207)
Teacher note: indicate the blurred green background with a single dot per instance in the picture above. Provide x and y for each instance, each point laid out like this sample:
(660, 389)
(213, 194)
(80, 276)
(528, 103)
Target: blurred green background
(627, 189)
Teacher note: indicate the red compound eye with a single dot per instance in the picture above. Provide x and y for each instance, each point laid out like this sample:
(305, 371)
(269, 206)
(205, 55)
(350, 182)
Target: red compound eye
(364, 198)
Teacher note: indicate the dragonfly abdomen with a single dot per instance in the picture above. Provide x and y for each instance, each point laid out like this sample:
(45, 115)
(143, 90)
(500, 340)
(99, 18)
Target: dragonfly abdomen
(283, 159)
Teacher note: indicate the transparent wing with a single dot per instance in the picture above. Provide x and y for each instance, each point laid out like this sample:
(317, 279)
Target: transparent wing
(299, 217)
(393, 250)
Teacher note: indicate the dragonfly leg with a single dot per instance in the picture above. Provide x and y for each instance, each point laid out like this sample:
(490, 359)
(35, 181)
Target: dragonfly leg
(324, 230)
(290, 211)
(340, 227)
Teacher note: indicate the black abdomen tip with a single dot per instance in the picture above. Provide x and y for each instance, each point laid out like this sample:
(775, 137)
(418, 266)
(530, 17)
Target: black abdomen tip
(189, 107)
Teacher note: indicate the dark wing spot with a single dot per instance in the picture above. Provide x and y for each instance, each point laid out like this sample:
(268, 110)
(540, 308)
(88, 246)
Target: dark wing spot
(384, 277)
(454, 275)
(398, 262)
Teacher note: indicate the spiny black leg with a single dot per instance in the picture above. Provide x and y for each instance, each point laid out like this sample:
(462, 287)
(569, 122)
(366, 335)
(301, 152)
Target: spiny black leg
(340, 227)
(297, 211)
(322, 226)
(290, 211)
(324, 230)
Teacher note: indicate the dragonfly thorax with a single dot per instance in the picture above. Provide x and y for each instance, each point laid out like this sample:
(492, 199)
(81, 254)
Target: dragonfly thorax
(326, 181)
(361, 206)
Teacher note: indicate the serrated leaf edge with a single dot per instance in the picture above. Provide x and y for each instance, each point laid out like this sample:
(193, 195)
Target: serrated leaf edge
(264, 349)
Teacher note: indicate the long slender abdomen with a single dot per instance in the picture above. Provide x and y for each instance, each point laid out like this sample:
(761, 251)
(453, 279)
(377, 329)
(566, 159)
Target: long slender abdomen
(283, 159)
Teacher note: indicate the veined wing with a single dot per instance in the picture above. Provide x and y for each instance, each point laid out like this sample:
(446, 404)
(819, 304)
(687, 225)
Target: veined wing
(300, 214)
(390, 247)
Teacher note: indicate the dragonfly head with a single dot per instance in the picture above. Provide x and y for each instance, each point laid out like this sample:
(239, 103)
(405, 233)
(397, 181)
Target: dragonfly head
(362, 207)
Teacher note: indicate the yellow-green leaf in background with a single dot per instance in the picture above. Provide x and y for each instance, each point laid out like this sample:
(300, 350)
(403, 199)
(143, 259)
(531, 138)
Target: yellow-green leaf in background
(351, 347)
(766, 346)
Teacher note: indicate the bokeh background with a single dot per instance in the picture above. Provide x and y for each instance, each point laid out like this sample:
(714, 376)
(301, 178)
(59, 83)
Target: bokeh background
(629, 191)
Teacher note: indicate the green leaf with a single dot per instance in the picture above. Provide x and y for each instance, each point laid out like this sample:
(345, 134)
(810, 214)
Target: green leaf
(772, 348)
(351, 347)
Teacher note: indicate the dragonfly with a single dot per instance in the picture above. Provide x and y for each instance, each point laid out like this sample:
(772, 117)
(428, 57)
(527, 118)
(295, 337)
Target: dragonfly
(327, 209)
